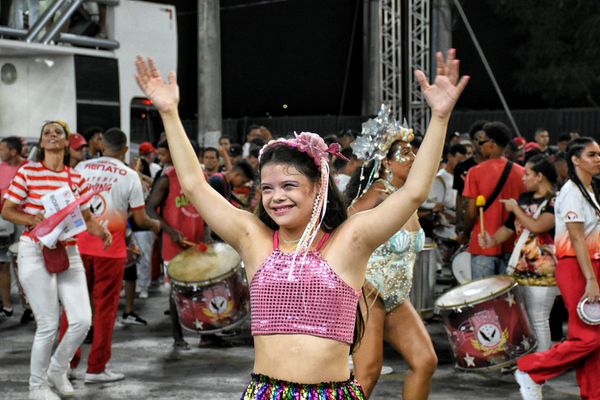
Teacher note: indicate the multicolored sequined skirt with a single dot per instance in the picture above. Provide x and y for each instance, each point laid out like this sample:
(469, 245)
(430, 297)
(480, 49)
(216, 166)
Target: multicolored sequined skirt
(262, 387)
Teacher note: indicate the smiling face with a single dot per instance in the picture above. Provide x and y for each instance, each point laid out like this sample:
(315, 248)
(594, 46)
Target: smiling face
(53, 138)
(287, 195)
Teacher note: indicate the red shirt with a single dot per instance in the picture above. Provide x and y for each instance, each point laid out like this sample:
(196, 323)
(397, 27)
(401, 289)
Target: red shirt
(7, 172)
(178, 212)
(482, 180)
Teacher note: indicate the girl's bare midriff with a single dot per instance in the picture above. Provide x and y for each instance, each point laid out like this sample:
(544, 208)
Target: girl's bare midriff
(301, 358)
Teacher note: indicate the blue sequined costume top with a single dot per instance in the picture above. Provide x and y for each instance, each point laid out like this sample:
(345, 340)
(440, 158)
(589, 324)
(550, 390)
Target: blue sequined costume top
(390, 267)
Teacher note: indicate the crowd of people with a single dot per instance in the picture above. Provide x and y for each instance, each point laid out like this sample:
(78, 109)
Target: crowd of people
(328, 230)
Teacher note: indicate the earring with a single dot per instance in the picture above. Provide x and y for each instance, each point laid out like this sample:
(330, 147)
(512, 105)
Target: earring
(389, 175)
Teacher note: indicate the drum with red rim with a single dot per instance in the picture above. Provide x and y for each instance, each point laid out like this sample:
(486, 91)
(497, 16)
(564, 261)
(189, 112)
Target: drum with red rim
(486, 323)
(209, 288)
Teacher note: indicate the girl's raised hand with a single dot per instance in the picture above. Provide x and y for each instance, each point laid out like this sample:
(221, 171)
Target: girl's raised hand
(443, 94)
(164, 95)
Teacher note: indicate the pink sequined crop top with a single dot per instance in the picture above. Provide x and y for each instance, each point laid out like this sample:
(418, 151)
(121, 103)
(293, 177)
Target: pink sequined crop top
(313, 300)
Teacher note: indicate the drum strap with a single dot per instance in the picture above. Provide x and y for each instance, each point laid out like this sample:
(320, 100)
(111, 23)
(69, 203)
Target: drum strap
(499, 186)
(516, 254)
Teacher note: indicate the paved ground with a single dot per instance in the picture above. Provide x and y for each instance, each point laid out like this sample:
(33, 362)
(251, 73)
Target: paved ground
(155, 371)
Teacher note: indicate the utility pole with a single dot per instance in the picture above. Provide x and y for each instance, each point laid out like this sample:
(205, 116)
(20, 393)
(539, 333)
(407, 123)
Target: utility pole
(210, 118)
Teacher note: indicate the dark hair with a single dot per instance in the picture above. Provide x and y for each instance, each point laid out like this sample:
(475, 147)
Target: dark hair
(224, 137)
(285, 155)
(115, 139)
(564, 137)
(254, 150)
(330, 139)
(245, 168)
(540, 130)
(145, 166)
(575, 148)
(339, 163)
(163, 144)
(41, 154)
(498, 132)
(13, 143)
(250, 128)
(542, 165)
(258, 142)
(207, 149)
(235, 150)
(458, 148)
(476, 127)
(91, 131)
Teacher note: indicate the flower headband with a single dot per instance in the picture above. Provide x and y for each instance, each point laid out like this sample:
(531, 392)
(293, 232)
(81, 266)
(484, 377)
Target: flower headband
(309, 143)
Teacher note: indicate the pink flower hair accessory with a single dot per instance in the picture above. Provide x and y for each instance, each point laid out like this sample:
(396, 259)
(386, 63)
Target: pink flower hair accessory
(309, 143)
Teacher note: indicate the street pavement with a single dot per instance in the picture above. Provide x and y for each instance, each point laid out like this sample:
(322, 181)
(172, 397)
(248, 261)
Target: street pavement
(155, 370)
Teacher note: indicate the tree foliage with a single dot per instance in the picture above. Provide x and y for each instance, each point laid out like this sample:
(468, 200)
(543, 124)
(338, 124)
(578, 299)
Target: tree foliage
(560, 48)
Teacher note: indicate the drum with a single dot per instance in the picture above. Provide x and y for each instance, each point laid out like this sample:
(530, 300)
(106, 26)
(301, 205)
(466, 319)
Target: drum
(589, 312)
(461, 266)
(424, 273)
(209, 288)
(486, 323)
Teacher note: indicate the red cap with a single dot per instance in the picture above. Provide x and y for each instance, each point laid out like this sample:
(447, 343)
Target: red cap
(76, 141)
(519, 141)
(146, 148)
(530, 146)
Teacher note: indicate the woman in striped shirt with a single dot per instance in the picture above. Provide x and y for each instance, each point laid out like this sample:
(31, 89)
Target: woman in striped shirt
(44, 290)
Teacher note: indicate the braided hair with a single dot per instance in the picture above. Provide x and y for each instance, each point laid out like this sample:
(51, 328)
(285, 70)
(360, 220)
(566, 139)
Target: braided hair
(575, 148)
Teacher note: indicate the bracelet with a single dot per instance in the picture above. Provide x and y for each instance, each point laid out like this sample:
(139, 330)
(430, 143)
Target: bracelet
(591, 278)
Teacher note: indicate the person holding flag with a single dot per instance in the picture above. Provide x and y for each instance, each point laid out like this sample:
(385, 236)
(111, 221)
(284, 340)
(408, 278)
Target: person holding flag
(45, 289)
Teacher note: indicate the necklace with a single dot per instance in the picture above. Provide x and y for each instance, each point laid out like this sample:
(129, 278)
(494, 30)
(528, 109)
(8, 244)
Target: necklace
(295, 241)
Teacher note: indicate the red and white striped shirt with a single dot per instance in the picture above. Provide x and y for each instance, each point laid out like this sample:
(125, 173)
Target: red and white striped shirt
(34, 180)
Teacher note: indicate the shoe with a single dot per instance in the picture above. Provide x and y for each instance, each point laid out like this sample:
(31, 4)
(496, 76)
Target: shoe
(528, 388)
(89, 338)
(386, 370)
(143, 294)
(61, 383)
(181, 344)
(42, 393)
(103, 377)
(5, 313)
(213, 341)
(133, 319)
(27, 316)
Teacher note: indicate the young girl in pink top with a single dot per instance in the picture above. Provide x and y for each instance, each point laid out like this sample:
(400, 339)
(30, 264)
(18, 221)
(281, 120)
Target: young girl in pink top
(305, 262)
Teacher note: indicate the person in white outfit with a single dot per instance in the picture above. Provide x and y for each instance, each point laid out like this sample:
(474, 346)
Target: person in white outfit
(45, 290)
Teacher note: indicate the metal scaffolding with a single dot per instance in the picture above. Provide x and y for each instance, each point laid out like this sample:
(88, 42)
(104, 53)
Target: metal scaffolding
(393, 64)
(419, 58)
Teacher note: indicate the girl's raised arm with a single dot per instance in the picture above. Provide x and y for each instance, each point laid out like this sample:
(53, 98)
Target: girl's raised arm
(231, 224)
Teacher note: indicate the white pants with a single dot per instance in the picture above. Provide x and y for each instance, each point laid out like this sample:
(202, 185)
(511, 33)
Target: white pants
(538, 302)
(44, 291)
(145, 240)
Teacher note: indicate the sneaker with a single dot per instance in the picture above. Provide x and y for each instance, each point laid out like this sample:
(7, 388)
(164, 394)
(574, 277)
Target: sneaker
(528, 388)
(133, 319)
(61, 383)
(143, 294)
(42, 393)
(27, 316)
(5, 313)
(181, 344)
(103, 377)
(386, 370)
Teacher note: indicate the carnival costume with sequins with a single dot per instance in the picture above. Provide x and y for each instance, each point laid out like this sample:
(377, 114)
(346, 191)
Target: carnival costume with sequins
(390, 267)
(308, 298)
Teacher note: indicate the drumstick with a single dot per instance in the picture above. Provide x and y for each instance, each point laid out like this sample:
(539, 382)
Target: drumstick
(480, 202)
(200, 246)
